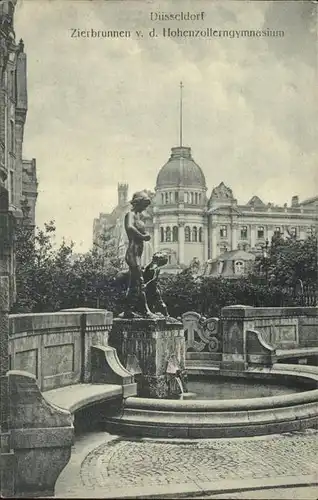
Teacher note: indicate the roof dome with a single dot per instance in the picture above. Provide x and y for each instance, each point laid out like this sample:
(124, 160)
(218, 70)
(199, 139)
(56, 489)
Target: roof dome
(181, 171)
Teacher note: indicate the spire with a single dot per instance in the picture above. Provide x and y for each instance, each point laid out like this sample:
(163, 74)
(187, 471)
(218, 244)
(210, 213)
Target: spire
(181, 117)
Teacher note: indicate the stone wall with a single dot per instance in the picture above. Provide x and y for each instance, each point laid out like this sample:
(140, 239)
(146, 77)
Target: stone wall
(56, 347)
(279, 328)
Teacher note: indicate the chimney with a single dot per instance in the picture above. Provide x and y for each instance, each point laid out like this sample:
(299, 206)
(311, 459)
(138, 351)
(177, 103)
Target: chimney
(295, 201)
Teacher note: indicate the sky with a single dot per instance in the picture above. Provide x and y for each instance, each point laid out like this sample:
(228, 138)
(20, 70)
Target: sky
(105, 110)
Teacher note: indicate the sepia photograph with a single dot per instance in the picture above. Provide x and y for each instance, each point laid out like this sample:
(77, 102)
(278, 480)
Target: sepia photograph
(158, 249)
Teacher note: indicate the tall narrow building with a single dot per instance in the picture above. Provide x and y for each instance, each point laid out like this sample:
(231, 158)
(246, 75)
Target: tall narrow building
(21, 186)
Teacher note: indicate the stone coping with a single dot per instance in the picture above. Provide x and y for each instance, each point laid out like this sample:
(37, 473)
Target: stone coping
(77, 396)
(32, 323)
(242, 311)
(291, 353)
(143, 322)
(281, 401)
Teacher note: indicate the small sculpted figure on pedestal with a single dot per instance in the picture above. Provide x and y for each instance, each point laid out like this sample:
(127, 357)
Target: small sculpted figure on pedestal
(151, 278)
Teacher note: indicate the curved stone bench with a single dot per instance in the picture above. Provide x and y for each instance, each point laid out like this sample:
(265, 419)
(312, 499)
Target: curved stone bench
(42, 423)
(41, 436)
(79, 396)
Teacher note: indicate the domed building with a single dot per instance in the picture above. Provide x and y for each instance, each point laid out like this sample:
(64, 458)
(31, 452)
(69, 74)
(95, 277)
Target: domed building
(190, 227)
(179, 214)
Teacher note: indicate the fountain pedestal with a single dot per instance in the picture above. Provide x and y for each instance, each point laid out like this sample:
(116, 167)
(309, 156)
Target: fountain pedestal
(153, 344)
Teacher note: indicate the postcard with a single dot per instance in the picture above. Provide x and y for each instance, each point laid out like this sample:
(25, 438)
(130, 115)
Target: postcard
(158, 248)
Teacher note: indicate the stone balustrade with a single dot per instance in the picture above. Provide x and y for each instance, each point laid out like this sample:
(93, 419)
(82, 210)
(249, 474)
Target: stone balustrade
(246, 335)
(259, 333)
(56, 347)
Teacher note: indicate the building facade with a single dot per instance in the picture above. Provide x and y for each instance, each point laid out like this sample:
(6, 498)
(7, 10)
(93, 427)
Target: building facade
(190, 226)
(16, 174)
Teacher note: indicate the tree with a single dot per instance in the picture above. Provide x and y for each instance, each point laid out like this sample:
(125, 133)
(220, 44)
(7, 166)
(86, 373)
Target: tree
(290, 260)
(41, 270)
(50, 278)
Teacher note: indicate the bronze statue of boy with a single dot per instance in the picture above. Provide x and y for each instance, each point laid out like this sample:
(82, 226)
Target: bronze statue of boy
(135, 229)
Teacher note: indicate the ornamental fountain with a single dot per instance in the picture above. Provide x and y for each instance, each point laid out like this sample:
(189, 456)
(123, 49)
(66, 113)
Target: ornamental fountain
(152, 346)
(148, 341)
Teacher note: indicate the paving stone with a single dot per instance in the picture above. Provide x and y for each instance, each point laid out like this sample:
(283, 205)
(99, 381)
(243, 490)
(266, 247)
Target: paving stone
(145, 462)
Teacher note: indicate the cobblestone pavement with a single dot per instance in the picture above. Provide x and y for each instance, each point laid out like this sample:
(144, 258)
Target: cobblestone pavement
(128, 463)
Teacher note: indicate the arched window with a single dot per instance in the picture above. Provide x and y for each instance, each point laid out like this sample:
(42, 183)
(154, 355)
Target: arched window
(194, 234)
(244, 232)
(200, 198)
(239, 267)
(168, 234)
(175, 233)
(196, 198)
(162, 198)
(167, 198)
(162, 234)
(200, 234)
(187, 233)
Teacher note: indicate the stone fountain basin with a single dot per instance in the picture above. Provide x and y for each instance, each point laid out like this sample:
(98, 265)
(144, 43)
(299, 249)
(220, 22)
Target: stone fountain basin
(166, 418)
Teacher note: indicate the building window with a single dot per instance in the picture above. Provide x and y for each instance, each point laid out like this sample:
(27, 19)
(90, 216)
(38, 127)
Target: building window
(168, 234)
(175, 233)
(200, 198)
(200, 234)
(169, 259)
(191, 198)
(277, 230)
(11, 187)
(187, 233)
(244, 232)
(223, 231)
(239, 267)
(196, 198)
(166, 198)
(162, 234)
(176, 197)
(12, 136)
(162, 199)
(260, 232)
(220, 266)
(13, 84)
(186, 197)
(194, 234)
